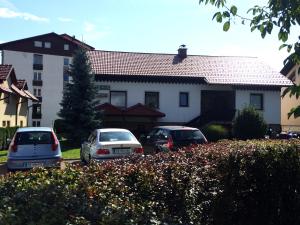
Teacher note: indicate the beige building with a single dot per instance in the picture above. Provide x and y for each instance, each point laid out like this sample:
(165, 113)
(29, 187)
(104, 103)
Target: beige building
(14, 98)
(292, 72)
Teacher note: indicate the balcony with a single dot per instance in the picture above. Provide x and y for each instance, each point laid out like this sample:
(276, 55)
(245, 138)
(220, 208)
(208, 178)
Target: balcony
(38, 66)
(39, 98)
(37, 83)
(36, 115)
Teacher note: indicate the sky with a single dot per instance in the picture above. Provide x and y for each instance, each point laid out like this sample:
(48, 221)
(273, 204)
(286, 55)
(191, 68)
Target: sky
(158, 26)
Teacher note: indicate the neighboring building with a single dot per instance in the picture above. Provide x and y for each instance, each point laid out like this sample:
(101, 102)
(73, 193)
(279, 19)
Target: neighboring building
(182, 88)
(44, 62)
(14, 96)
(292, 72)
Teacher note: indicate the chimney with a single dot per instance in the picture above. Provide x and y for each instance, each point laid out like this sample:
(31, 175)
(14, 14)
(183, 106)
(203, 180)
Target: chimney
(182, 51)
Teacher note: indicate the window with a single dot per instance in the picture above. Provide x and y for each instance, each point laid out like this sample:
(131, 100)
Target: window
(38, 44)
(21, 123)
(256, 100)
(47, 44)
(34, 123)
(3, 123)
(37, 59)
(39, 92)
(66, 47)
(8, 123)
(34, 92)
(118, 98)
(66, 61)
(152, 99)
(38, 123)
(184, 99)
(37, 76)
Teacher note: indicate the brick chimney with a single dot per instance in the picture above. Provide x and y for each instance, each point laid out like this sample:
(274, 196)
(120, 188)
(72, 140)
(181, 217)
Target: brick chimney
(182, 51)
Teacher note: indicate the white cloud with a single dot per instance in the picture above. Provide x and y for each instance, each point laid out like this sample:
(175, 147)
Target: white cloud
(7, 13)
(64, 19)
(91, 33)
(7, 4)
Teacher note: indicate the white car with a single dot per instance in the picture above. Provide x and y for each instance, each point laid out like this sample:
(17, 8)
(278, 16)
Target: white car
(109, 143)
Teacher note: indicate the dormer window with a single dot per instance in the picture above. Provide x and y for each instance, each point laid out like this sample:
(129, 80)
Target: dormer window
(66, 47)
(38, 44)
(47, 44)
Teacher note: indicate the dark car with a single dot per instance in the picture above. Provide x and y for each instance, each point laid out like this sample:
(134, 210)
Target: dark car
(171, 138)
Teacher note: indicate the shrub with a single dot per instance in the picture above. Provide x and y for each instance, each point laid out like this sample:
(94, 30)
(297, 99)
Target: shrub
(249, 124)
(228, 182)
(214, 132)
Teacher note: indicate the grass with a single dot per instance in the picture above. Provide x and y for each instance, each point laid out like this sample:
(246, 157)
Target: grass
(68, 150)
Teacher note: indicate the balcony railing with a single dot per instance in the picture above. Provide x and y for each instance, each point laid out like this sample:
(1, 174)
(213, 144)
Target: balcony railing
(37, 83)
(36, 115)
(38, 66)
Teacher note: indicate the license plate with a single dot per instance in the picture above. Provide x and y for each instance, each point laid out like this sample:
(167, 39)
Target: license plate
(34, 164)
(122, 150)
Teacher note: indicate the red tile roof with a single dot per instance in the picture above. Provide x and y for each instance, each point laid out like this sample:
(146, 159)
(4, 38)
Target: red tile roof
(5, 71)
(142, 110)
(215, 69)
(135, 110)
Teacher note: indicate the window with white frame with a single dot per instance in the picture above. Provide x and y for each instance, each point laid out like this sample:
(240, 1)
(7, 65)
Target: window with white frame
(118, 98)
(257, 101)
(66, 47)
(37, 75)
(47, 44)
(38, 44)
(184, 99)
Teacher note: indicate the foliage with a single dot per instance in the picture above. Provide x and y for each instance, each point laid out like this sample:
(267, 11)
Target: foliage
(5, 134)
(215, 132)
(229, 182)
(78, 112)
(249, 124)
(282, 15)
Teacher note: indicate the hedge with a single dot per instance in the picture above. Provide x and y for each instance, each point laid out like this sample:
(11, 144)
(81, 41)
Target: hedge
(215, 132)
(228, 182)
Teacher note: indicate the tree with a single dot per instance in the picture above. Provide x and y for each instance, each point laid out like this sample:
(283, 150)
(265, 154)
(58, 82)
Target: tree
(283, 14)
(78, 112)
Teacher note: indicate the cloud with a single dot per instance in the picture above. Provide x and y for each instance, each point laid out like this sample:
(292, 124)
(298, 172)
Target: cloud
(65, 20)
(91, 33)
(7, 4)
(8, 14)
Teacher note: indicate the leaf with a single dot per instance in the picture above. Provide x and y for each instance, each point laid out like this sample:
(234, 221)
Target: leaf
(233, 10)
(282, 46)
(226, 26)
(253, 28)
(226, 14)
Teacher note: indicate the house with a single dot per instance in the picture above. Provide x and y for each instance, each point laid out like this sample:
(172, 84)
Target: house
(181, 88)
(292, 72)
(43, 61)
(14, 98)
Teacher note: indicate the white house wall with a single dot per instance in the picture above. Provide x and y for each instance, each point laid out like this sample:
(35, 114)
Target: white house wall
(52, 77)
(271, 101)
(169, 99)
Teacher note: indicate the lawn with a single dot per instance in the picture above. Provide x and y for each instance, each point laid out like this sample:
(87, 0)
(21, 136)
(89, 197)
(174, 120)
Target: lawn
(68, 152)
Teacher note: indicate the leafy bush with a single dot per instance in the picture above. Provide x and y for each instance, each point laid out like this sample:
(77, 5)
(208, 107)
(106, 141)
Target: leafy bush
(228, 182)
(214, 132)
(6, 133)
(249, 124)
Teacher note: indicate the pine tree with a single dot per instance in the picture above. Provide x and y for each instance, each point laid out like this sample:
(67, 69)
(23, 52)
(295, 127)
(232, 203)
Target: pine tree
(78, 113)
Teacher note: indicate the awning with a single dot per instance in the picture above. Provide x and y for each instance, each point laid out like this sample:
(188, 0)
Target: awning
(19, 92)
(31, 96)
(6, 90)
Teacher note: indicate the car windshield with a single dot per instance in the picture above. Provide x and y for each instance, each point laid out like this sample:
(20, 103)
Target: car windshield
(115, 136)
(33, 137)
(182, 135)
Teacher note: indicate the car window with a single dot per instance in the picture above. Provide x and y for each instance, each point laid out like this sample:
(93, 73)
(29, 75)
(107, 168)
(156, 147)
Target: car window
(33, 137)
(153, 132)
(162, 134)
(116, 136)
(181, 135)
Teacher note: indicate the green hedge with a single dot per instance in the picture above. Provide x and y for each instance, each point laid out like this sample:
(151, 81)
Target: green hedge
(228, 182)
(6, 133)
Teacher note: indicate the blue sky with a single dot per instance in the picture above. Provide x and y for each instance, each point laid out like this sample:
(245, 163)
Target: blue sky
(139, 26)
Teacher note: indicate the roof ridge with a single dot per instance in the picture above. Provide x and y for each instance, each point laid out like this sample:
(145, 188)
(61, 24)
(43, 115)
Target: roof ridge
(157, 53)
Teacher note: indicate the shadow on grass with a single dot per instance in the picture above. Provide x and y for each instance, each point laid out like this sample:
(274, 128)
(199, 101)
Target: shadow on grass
(68, 145)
